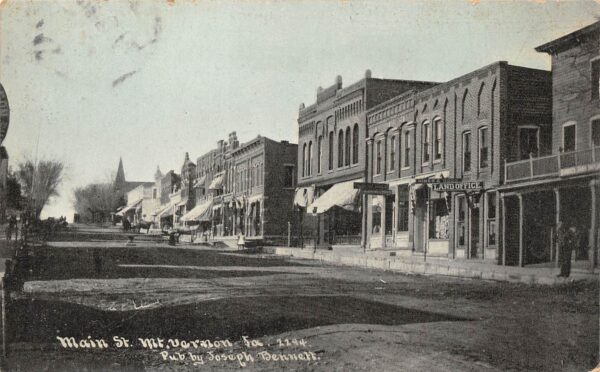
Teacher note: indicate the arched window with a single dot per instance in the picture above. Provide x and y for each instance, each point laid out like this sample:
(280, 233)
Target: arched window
(464, 105)
(347, 146)
(355, 144)
(479, 99)
(319, 153)
(304, 160)
(438, 140)
(426, 133)
(330, 150)
(341, 149)
(309, 165)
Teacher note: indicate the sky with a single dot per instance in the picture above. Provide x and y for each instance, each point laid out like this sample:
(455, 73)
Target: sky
(89, 81)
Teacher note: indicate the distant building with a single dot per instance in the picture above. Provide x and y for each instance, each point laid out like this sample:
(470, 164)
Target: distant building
(122, 187)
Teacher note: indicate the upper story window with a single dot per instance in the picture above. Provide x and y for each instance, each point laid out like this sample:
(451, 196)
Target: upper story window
(426, 139)
(406, 149)
(319, 153)
(378, 159)
(596, 133)
(568, 138)
(288, 177)
(483, 147)
(309, 160)
(438, 145)
(595, 72)
(355, 136)
(529, 137)
(392, 161)
(347, 147)
(466, 142)
(304, 160)
(341, 149)
(330, 155)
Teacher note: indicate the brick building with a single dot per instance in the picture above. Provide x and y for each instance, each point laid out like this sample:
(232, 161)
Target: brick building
(464, 130)
(247, 188)
(4, 119)
(331, 156)
(562, 187)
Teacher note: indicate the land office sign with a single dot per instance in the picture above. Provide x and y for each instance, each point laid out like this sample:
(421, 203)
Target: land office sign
(451, 185)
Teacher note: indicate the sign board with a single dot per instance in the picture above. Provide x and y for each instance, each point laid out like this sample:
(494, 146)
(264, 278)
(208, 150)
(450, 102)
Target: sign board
(456, 186)
(4, 113)
(373, 188)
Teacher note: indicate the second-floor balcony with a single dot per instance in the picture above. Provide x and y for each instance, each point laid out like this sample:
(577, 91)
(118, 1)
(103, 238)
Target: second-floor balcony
(558, 165)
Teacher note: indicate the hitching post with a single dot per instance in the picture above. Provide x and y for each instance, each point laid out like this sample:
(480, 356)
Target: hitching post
(289, 234)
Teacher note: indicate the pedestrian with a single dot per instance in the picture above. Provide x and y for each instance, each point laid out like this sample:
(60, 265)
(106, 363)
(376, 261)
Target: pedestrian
(10, 227)
(567, 240)
(241, 241)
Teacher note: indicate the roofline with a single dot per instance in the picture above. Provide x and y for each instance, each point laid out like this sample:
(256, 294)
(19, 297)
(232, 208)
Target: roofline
(551, 46)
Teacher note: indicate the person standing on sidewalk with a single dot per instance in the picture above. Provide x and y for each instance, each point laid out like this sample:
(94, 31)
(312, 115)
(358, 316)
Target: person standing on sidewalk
(567, 240)
(241, 241)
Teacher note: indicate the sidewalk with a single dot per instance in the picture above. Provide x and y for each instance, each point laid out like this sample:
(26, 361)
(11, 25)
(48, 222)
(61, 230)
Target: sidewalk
(408, 264)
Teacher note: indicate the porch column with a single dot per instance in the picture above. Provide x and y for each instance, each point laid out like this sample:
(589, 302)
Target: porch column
(557, 203)
(520, 196)
(382, 207)
(593, 228)
(368, 220)
(503, 203)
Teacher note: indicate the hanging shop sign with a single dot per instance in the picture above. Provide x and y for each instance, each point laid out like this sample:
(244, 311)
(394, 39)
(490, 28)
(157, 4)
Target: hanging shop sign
(373, 188)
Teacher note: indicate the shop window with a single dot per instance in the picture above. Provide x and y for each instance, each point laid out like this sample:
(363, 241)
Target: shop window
(528, 142)
(483, 148)
(438, 219)
(596, 133)
(403, 208)
(392, 160)
(407, 149)
(438, 144)
(466, 151)
(460, 226)
(288, 180)
(491, 217)
(426, 142)
(378, 159)
(569, 133)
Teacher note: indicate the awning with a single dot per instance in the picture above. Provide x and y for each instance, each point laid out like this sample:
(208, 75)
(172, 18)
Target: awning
(199, 213)
(183, 202)
(167, 211)
(254, 199)
(200, 182)
(129, 207)
(304, 196)
(217, 183)
(343, 195)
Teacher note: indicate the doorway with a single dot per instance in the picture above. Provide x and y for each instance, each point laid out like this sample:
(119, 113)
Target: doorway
(474, 234)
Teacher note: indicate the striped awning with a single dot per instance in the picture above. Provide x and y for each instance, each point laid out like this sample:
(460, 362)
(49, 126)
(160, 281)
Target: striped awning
(200, 212)
(217, 183)
(342, 195)
(129, 207)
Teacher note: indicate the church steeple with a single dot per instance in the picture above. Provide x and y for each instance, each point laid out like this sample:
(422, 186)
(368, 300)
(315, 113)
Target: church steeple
(158, 174)
(120, 179)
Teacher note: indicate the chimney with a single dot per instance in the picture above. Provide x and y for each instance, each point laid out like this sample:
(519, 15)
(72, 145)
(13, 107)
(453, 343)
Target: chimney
(368, 74)
(338, 81)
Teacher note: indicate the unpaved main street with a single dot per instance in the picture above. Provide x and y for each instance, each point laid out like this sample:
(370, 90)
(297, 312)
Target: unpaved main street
(350, 319)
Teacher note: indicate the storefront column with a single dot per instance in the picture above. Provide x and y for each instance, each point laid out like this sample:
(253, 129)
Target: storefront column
(369, 224)
(557, 205)
(503, 212)
(593, 228)
(382, 207)
(520, 196)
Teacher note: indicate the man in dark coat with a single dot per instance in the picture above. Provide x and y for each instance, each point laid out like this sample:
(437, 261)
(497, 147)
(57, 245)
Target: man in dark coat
(567, 241)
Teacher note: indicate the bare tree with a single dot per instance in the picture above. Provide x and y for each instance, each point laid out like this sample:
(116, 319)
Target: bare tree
(39, 182)
(96, 201)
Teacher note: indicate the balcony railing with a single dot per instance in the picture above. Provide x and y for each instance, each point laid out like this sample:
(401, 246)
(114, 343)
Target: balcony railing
(564, 164)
